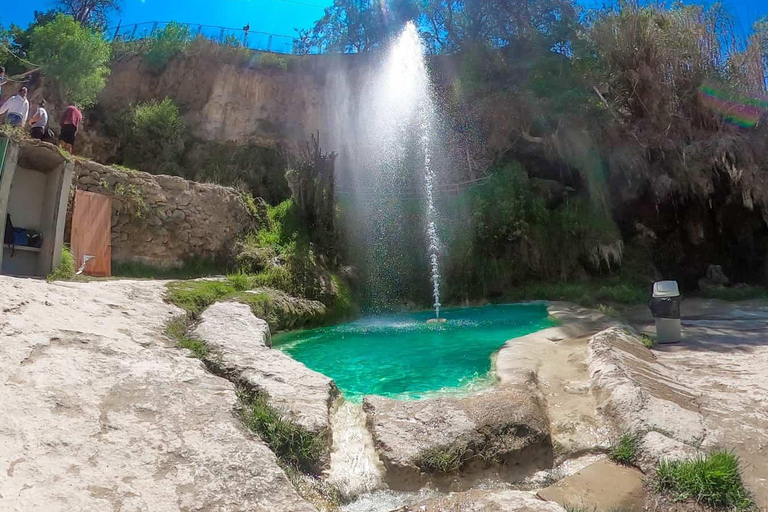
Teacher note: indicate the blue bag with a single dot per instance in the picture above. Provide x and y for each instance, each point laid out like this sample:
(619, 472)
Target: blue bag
(20, 237)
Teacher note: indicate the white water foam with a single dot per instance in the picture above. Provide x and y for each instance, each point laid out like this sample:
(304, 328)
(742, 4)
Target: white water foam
(355, 466)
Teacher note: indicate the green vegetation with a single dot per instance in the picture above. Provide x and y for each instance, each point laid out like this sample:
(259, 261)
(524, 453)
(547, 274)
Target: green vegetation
(293, 445)
(75, 57)
(195, 296)
(151, 136)
(517, 245)
(588, 294)
(177, 329)
(647, 341)
(625, 451)
(191, 269)
(714, 481)
(444, 460)
(66, 269)
(735, 293)
(166, 43)
(273, 60)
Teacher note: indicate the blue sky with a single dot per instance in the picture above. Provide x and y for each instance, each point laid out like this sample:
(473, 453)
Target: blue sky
(273, 16)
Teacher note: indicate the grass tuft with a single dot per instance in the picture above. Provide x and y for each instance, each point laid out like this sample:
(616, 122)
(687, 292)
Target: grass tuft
(714, 481)
(647, 341)
(293, 444)
(196, 296)
(446, 459)
(66, 269)
(625, 451)
(177, 328)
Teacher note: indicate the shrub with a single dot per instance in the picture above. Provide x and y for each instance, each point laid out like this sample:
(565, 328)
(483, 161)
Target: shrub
(292, 444)
(625, 451)
(153, 136)
(273, 61)
(714, 480)
(66, 269)
(240, 281)
(75, 57)
(173, 39)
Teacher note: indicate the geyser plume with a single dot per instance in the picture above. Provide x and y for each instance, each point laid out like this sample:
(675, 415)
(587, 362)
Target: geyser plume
(385, 129)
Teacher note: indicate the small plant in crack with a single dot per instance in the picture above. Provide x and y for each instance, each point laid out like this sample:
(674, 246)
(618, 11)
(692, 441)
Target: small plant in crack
(177, 328)
(625, 451)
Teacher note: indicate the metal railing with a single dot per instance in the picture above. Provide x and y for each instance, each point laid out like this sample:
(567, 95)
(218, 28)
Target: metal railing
(260, 41)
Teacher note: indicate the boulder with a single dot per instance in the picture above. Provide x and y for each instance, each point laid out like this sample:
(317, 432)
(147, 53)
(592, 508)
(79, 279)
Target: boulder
(715, 278)
(485, 501)
(505, 430)
(638, 394)
(241, 344)
(656, 447)
(285, 312)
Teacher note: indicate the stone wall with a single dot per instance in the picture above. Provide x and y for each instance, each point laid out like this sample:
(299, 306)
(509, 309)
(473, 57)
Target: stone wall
(164, 221)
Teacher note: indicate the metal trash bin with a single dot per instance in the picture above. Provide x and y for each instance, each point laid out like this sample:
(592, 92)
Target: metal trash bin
(665, 307)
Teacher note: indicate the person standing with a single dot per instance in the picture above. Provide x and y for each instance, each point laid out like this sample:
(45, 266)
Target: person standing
(16, 108)
(39, 122)
(70, 122)
(2, 80)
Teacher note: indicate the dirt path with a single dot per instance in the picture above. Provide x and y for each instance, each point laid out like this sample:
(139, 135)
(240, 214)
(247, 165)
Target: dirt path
(100, 412)
(724, 359)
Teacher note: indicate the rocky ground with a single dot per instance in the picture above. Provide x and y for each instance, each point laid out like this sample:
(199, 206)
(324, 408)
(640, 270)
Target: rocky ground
(101, 413)
(723, 362)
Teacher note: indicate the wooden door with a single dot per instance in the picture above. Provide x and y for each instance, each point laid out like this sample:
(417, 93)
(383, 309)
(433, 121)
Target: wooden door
(92, 233)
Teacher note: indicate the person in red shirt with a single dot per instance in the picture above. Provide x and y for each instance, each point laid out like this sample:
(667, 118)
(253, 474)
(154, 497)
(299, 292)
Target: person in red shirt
(70, 122)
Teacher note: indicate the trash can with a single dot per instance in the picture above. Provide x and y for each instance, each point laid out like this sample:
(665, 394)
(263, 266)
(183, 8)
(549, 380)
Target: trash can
(665, 306)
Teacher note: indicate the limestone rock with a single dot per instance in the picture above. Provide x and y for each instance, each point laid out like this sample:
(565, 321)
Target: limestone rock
(636, 393)
(600, 486)
(656, 447)
(485, 501)
(241, 343)
(100, 412)
(284, 312)
(504, 429)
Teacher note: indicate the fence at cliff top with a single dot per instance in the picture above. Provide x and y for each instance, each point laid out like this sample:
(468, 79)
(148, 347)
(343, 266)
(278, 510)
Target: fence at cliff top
(260, 41)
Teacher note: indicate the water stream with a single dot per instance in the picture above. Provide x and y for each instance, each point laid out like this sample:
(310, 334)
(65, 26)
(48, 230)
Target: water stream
(355, 466)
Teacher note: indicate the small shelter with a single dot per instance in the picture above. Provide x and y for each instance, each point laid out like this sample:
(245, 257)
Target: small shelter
(35, 180)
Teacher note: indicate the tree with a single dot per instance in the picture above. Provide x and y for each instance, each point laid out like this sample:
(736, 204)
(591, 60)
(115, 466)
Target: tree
(75, 57)
(348, 26)
(90, 12)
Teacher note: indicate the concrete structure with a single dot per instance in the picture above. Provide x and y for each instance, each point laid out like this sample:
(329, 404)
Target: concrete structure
(35, 179)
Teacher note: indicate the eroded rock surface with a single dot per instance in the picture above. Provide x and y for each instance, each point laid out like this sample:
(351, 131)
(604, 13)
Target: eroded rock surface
(99, 412)
(553, 363)
(486, 501)
(600, 486)
(284, 312)
(723, 358)
(639, 394)
(507, 429)
(241, 343)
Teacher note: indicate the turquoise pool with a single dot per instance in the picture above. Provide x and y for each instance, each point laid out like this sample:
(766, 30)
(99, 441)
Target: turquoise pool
(403, 356)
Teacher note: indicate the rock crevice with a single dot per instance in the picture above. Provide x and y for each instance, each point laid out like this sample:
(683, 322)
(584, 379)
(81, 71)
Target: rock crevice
(241, 343)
